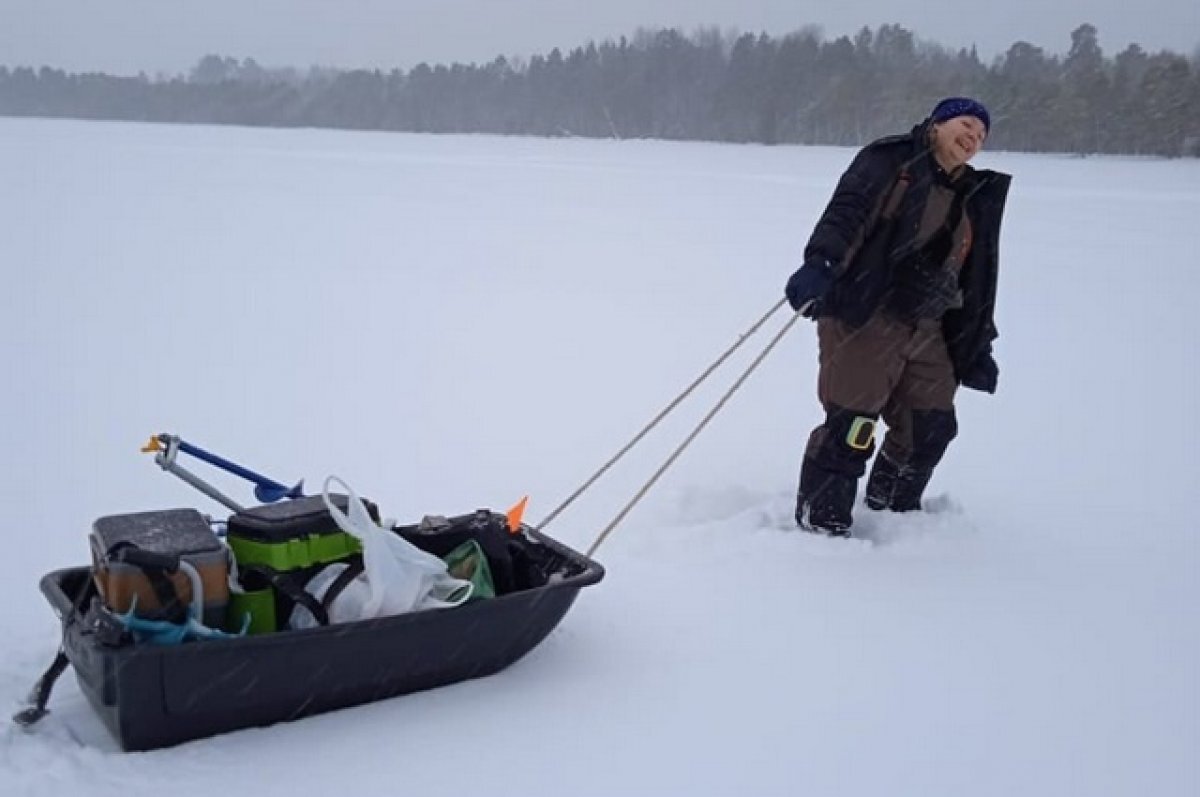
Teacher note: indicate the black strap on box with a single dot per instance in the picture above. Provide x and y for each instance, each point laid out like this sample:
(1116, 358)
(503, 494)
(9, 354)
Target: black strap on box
(290, 585)
(157, 567)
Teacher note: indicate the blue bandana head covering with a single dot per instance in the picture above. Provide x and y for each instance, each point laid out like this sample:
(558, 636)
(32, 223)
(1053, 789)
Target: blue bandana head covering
(961, 106)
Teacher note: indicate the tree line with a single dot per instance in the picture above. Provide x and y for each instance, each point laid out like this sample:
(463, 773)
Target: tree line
(796, 89)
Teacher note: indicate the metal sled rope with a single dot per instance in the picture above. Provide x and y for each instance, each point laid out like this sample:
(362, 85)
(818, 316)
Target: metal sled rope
(667, 411)
(641, 493)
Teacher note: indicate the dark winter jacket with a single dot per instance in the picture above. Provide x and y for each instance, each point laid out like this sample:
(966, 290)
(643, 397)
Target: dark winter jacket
(863, 234)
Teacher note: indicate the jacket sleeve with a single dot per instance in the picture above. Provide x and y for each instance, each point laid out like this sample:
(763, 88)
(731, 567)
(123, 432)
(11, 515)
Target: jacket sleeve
(842, 226)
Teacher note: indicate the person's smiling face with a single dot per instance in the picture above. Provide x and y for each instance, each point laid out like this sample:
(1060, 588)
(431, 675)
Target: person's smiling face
(957, 140)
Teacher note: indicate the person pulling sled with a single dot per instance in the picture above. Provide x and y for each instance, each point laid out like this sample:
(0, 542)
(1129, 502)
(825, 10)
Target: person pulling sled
(900, 275)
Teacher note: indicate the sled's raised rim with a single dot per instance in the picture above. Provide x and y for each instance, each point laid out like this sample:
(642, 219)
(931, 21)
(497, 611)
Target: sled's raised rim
(592, 573)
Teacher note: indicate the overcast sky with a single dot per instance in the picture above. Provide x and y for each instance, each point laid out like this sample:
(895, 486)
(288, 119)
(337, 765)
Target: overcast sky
(127, 36)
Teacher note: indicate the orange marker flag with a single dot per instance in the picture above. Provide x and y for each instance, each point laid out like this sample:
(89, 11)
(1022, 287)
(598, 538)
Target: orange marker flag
(515, 514)
(152, 446)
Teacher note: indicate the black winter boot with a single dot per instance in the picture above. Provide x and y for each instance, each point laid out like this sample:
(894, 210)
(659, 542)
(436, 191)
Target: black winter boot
(881, 484)
(825, 500)
(896, 487)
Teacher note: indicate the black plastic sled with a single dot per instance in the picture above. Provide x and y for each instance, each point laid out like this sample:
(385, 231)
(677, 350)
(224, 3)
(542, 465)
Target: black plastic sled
(156, 696)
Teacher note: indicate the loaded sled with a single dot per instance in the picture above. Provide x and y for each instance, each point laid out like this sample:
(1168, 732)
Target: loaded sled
(137, 623)
(184, 626)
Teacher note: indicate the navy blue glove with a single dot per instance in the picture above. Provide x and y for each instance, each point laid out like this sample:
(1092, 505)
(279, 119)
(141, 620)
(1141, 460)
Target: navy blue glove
(983, 374)
(809, 285)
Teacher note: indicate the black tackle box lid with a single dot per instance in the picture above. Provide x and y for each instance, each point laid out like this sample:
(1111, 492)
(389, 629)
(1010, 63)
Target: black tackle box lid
(290, 519)
(168, 531)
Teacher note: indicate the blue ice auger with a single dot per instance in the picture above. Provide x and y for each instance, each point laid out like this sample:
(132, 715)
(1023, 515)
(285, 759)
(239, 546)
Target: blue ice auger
(166, 448)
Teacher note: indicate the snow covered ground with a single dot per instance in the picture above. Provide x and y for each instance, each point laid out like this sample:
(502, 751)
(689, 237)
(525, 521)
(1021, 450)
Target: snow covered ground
(453, 322)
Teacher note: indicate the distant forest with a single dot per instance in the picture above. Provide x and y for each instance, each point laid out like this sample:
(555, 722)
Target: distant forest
(797, 89)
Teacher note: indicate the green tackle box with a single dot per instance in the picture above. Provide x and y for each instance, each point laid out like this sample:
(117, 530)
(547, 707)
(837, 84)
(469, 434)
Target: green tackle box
(278, 548)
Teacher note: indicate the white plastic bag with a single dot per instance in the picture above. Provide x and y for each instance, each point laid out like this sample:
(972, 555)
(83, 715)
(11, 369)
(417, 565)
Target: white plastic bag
(397, 576)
